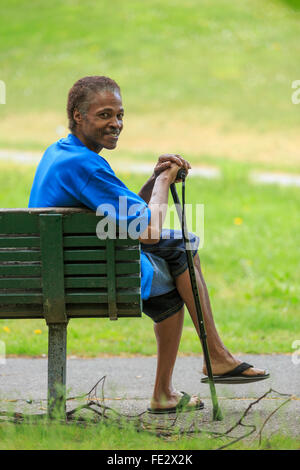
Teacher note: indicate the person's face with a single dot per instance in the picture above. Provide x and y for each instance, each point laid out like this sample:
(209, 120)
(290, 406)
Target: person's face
(102, 124)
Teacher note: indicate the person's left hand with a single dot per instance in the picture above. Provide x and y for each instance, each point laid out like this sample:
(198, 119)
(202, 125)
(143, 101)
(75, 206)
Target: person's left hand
(167, 159)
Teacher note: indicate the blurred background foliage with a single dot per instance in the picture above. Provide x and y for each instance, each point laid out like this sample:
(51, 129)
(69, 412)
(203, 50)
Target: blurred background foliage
(225, 64)
(211, 79)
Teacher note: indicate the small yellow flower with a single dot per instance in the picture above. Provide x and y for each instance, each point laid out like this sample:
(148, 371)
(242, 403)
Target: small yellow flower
(237, 221)
(37, 332)
(6, 329)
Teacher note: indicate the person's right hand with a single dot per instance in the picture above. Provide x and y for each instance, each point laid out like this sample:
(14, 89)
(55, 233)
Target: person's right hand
(171, 172)
(165, 161)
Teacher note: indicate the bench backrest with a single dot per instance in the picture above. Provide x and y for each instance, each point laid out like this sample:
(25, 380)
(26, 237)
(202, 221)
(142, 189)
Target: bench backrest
(53, 266)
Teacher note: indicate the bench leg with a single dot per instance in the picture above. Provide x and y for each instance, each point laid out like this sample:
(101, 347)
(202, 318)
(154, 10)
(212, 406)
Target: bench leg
(57, 363)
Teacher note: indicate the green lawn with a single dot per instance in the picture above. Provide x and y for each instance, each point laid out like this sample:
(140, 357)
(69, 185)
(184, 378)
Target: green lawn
(250, 261)
(53, 436)
(223, 64)
(210, 79)
(230, 64)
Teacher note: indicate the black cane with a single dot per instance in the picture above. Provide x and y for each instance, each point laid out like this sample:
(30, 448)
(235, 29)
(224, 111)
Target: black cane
(217, 414)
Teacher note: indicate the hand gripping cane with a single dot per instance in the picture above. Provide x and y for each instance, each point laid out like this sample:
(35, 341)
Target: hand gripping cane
(217, 414)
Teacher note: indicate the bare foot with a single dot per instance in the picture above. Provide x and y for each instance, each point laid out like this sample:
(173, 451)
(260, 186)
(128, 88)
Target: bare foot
(173, 400)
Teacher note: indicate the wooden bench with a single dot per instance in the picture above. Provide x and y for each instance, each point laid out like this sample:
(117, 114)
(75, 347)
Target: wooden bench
(53, 266)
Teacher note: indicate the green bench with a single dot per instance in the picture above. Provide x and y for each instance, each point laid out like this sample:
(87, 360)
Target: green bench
(54, 266)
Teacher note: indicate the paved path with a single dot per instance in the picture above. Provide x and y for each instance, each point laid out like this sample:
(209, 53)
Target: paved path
(283, 179)
(129, 383)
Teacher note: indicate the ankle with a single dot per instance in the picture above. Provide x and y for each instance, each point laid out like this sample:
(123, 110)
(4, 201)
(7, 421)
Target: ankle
(163, 394)
(220, 355)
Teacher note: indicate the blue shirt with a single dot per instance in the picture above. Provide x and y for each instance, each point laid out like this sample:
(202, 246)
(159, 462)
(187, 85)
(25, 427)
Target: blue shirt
(71, 175)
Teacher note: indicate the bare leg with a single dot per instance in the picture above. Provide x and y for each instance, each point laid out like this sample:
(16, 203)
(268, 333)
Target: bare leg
(168, 335)
(221, 359)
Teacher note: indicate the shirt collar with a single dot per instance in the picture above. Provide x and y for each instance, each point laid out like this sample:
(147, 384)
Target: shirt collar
(74, 140)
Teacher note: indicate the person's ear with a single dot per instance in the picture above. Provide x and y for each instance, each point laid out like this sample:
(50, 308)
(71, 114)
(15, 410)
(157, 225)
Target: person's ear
(77, 116)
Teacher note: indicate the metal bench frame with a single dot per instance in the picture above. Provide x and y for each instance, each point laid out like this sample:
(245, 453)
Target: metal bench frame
(53, 266)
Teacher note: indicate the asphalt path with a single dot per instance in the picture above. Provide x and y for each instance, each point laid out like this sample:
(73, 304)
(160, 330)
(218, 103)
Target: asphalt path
(129, 382)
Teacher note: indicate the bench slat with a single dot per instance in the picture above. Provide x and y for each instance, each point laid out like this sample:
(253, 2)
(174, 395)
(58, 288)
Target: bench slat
(70, 269)
(20, 298)
(20, 270)
(19, 223)
(70, 283)
(83, 297)
(94, 310)
(128, 268)
(95, 282)
(127, 281)
(75, 241)
(85, 255)
(81, 223)
(85, 282)
(99, 255)
(34, 311)
(18, 242)
(20, 283)
(28, 255)
(21, 311)
(81, 269)
(127, 255)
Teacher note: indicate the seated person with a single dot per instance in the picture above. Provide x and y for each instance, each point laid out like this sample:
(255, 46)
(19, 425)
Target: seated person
(71, 173)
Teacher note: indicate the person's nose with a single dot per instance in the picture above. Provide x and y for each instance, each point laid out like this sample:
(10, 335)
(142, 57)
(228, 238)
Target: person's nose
(116, 123)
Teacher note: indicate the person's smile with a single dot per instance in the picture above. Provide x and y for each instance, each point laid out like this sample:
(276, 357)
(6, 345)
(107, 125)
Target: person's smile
(103, 123)
(114, 134)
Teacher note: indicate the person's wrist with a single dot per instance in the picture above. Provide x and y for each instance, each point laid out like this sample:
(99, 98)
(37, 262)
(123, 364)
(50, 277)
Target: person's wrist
(164, 176)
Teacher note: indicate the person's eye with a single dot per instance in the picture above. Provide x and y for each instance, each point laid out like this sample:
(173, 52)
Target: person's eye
(104, 115)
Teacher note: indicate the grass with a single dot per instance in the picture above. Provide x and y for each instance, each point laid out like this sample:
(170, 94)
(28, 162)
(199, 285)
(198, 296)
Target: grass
(249, 259)
(214, 54)
(54, 436)
(211, 80)
(224, 69)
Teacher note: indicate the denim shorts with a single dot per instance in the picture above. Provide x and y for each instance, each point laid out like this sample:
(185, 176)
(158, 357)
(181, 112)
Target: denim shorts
(168, 259)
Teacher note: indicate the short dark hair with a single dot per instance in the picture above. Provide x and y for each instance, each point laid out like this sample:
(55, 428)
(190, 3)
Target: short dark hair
(82, 92)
